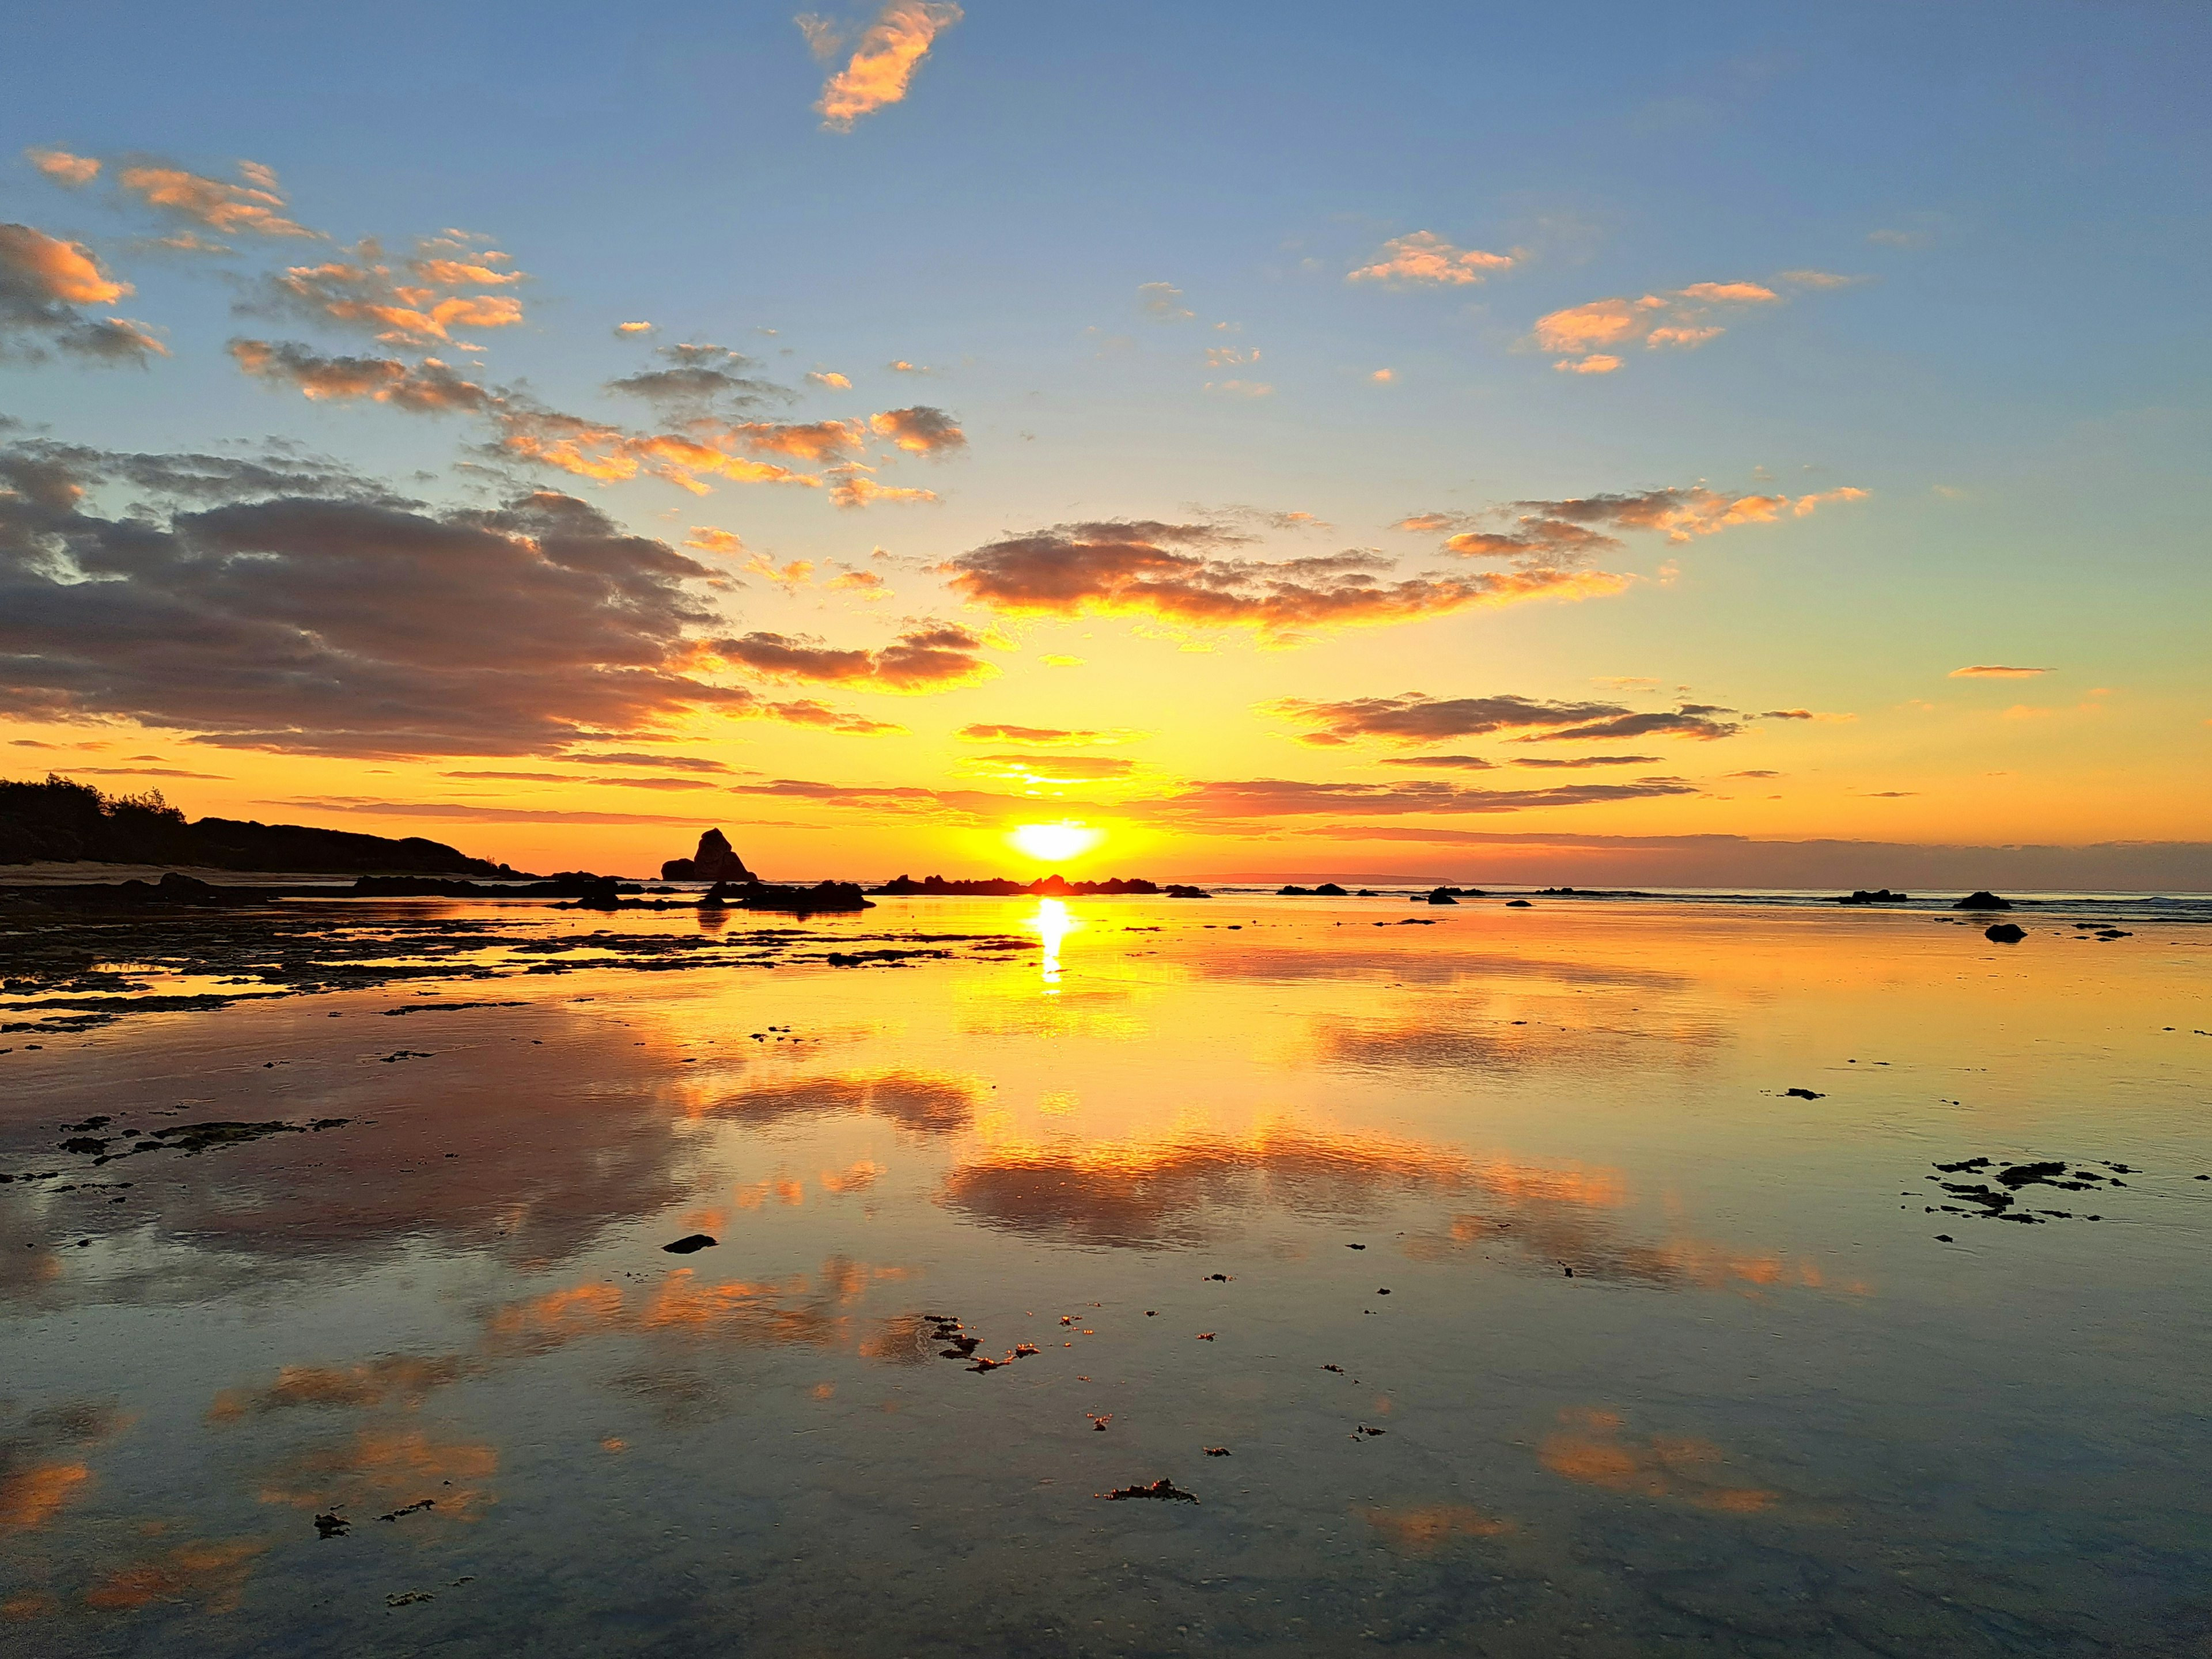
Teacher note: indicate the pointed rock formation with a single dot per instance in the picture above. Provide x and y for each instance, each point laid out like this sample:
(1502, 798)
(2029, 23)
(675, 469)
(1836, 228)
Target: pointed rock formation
(715, 861)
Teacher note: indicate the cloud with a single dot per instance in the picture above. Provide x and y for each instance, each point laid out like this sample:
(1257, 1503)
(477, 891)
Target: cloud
(414, 303)
(429, 387)
(699, 374)
(1042, 734)
(1383, 376)
(1690, 720)
(1273, 798)
(1579, 761)
(627, 757)
(43, 281)
(1995, 672)
(930, 657)
(1425, 259)
(1414, 717)
(1456, 762)
(345, 625)
(255, 205)
(919, 430)
(884, 61)
(1585, 337)
(856, 489)
(1242, 388)
(1163, 303)
(709, 540)
(632, 328)
(1056, 768)
(823, 377)
(1177, 572)
(594, 449)
(900, 366)
(1820, 279)
(1566, 533)
(63, 167)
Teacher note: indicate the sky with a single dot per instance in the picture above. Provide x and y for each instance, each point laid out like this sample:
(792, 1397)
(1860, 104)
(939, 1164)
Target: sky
(1761, 447)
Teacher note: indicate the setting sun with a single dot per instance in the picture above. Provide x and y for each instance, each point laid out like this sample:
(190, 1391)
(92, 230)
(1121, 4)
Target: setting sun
(1049, 843)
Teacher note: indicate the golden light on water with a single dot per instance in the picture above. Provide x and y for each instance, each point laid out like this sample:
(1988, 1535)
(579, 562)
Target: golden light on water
(1049, 843)
(1052, 924)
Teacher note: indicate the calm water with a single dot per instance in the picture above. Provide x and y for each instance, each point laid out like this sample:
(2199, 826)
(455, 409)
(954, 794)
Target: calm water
(1664, 1358)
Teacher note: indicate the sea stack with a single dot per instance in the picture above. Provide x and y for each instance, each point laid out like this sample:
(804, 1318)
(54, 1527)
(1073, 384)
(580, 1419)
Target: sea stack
(715, 861)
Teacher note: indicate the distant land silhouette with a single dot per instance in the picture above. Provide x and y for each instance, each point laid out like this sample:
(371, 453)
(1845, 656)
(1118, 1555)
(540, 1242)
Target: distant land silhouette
(66, 822)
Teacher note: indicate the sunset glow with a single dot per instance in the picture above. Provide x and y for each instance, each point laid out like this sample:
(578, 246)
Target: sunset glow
(1052, 843)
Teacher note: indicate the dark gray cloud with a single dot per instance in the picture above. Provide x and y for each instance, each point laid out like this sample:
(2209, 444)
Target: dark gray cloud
(933, 656)
(1416, 717)
(1441, 763)
(1579, 761)
(339, 625)
(698, 377)
(1273, 798)
(1690, 720)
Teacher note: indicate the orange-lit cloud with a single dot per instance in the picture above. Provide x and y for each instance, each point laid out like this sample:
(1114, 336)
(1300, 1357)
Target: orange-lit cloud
(1568, 531)
(63, 167)
(927, 657)
(835, 382)
(403, 304)
(32, 1496)
(920, 430)
(884, 60)
(1426, 258)
(43, 279)
(1585, 337)
(1177, 573)
(855, 489)
(254, 205)
(1995, 672)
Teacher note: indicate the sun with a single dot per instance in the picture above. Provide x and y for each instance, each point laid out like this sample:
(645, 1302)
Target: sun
(1050, 843)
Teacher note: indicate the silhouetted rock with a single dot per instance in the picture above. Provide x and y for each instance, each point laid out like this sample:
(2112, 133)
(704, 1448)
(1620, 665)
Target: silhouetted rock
(2004, 932)
(1518, 904)
(803, 900)
(1879, 896)
(1329, 889)
(1294, 892)
(1181, 890)
(1442, 896)
(715, 861)
(1005, 887)
(1982, 899)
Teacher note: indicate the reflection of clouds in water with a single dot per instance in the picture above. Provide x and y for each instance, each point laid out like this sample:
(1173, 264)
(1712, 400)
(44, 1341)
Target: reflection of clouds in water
(794, 1310)
(40, 1465)
(922, 1102)
(1420, 1045)
(1589, 1449)
(1427, 1528)
(399, 1379)
(384, 1465)
(210, 1573)
(1149, 1194)
(1421, 956)
(1556, 1230)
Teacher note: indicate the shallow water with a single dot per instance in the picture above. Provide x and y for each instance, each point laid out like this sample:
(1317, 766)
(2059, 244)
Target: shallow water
(1665, 1359)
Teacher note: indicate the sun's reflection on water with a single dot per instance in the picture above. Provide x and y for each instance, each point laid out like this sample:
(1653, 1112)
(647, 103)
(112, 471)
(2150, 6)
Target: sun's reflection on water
(1052, 924)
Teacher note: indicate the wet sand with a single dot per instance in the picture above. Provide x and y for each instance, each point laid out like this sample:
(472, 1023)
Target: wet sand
(1483, 1282)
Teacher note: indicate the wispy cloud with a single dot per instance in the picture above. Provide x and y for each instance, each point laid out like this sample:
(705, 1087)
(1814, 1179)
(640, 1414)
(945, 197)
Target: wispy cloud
(995, 733)
(1568, 531)
(883, 59)
(920, 430)
(1425, 259)
(1163, 303)
(416, 301)
(255, 204)
(1414, 717)
(1995, 672)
